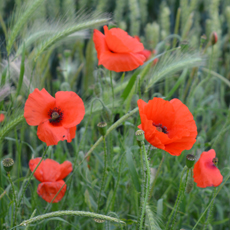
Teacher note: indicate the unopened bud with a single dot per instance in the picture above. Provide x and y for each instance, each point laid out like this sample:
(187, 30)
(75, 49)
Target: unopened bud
(190, 160)
(102, 127)
(184, 45)
(98, 90)
(213, 38)
(107, 113)
(65, 86)
(140, 135)
(8, 164)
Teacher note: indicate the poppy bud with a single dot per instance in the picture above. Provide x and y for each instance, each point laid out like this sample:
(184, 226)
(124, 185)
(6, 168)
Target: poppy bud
(140, 135)
(97, 90)
(184, 45)
(203, 39)
(107, 113)
(65, 86)
(67, 53)
(190, 160)
(19, 99)
(8, 164)
(213, 38)
(189, 185)
(102, 127)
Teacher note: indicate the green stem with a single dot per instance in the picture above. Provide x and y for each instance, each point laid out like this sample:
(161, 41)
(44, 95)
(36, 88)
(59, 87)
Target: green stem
(70, 213)
(209, 216)
(111, 82)
(111, 128)
(104, 174)
(14, 197)
(147, 185)
(177, 199)
(31, 175)
(155, 179)
(180, 198)
(211, 201)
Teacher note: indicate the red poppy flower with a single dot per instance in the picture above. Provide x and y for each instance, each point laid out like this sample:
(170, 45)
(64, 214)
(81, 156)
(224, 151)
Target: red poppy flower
(118, 51)
(51, 174)
(2, 117)
(56, 117)
(168, 125)
(205, 172)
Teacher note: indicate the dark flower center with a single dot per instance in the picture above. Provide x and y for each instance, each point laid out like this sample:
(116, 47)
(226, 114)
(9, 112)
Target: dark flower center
(215, 161)
(55, 115)
(160, 128)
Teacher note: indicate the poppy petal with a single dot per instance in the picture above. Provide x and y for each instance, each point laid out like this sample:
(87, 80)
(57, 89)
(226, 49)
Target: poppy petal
(37, 107)
(121, 62)
(146, 53)
(2, 117)
(159, 111)
(65, 169)
(48, 190)
(48, 170)
(184, 124)
(52, 134)
(72, 107)
(205, 173)
(99, 42)
(38, 174)
(119, 41)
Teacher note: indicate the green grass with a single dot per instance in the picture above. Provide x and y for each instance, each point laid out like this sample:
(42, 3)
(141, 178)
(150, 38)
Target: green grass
(56, 62)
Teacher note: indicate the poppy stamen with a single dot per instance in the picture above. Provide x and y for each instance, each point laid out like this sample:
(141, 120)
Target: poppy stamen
(55, 115)
(161, 128)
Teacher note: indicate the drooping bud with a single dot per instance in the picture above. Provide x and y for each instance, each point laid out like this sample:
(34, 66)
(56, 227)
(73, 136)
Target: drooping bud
(140, 135)
(190, 160)
(107, 114)
(8, 164)
(102, 127)
(213, 38)
(98, 89)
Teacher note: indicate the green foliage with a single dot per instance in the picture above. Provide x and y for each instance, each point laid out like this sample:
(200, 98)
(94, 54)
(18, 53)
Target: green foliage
(45, 47)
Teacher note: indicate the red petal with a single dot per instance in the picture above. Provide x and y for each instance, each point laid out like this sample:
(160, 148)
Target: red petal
(48, 170)
(51, 134)
(37, 107)
(72, 106)
(146, 53)
(206, 174)
(2, 117)
(48, 190)
(121, 62)
(65, 169)
(119, 41)
(99, 42)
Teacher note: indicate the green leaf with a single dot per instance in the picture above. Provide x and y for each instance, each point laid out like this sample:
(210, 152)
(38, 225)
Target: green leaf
(22, 69)
(132, 170)
(129, 86)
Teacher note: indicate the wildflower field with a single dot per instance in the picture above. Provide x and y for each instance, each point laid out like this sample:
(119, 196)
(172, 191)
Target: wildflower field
(114, 114)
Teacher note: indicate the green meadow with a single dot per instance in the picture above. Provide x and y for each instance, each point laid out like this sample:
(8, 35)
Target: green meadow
(117, 178)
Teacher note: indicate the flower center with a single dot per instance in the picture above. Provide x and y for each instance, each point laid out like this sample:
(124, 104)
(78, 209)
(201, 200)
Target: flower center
(215, 161)
(161, 128)
(55, 115)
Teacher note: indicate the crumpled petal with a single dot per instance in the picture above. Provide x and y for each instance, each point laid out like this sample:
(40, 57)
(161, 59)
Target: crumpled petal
(48, 190)
(37, 107)
(51, 134)
(64, 170)
(205, 173)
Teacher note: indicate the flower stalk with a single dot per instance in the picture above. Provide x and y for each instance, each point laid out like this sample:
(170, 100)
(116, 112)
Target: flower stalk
(147, 185)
